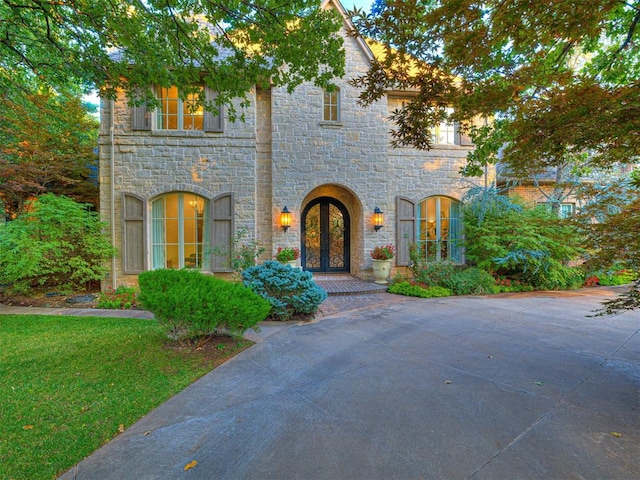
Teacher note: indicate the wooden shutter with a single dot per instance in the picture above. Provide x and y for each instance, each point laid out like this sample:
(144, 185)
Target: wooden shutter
(462, 137)
(133, 234)
(405, 229)
(213, 121)
(222, 209)
(141, 118)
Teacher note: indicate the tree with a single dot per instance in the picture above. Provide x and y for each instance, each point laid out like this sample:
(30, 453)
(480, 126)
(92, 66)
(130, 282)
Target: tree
(47, 144)
(230, 46)
(56, 242)
(559, 80)
(562, 77)
(610, 219)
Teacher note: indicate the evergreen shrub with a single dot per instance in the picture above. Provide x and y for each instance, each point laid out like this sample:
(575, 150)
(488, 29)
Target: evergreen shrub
(290, 291)
(190, 304)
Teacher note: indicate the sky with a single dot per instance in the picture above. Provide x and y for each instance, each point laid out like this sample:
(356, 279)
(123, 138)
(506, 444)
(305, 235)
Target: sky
(363, 4)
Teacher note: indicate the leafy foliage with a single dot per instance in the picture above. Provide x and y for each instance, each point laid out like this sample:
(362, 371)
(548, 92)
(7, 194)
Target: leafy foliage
(610, 219)
(242, 253)
(457, 279)
(506, 237)
(412, 290)
(290, 291)
(562, 77)
(54, 242)
(236, 43)
(383, 252)
(190, 305)
(47, 144)
(122, 297)
(287, 254)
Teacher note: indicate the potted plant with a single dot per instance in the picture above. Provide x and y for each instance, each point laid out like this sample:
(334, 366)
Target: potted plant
(288, 255)
(381, 258)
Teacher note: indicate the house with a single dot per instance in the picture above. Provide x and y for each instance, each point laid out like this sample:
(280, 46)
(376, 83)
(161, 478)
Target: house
(177, 184)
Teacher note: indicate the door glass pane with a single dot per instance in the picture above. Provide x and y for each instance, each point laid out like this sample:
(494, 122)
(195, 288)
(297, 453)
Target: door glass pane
(312, 237)
(336, 237)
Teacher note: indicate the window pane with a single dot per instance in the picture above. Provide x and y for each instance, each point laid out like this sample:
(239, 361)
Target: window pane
(167, 113)
(331, 106)
(438, 226)
(178, 234)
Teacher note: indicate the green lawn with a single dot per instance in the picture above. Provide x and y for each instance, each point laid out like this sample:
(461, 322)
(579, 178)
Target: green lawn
(69, 384)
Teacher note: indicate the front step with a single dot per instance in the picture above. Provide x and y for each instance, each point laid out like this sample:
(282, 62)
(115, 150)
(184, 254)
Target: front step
(343, 284)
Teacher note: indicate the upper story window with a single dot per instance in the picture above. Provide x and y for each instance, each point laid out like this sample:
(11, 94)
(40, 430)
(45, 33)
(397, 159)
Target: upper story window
(565, 210)
(331, 105)
(175, 113)
(445, 132)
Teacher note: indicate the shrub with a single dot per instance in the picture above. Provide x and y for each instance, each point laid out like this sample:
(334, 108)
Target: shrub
(120, 298)
(471, 281)
(431, 273)
(460, 280)
(190, 304)
(615, 277)
(54, 242)
(412, 290)
(289, 290)
(242, 253)
(506, 237)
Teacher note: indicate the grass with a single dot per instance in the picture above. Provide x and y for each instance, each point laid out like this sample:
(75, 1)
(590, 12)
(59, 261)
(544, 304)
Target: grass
(70, 384)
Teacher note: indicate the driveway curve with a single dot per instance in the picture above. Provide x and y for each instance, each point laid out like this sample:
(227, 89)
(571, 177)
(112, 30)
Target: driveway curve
(485, 388)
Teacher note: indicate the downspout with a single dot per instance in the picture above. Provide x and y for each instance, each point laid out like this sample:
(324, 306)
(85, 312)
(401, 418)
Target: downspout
(113, 189)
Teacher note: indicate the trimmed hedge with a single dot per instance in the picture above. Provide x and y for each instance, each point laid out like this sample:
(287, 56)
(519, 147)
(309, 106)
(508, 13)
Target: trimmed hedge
(190, 304)
(289, 290)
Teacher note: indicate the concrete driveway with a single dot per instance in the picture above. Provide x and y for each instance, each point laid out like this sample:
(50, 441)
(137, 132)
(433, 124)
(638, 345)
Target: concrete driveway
(516, 387)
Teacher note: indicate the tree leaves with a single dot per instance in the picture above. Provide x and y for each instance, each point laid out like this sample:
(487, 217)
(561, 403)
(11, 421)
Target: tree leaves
(562, 77)
(230, 46)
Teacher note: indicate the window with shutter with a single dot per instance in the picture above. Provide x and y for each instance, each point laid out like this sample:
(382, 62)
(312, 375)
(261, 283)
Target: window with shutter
(176, 113)
(133, 234)
(179, 233)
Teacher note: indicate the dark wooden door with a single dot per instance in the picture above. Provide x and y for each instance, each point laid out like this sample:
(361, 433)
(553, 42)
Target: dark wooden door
(325, 236)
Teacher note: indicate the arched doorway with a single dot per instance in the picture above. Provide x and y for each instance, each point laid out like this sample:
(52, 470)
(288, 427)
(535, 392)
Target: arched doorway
(325, 236)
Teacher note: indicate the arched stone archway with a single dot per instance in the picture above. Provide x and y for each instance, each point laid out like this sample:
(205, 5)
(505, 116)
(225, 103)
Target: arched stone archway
(332, 230)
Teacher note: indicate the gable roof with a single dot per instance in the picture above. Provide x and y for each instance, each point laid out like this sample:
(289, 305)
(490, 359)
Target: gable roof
(348, 26)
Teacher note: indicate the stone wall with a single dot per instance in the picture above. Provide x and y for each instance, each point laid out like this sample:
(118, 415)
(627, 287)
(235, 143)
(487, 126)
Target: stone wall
(151, 163)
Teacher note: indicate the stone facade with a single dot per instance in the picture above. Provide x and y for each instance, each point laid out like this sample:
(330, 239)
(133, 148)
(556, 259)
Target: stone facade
(282, 154)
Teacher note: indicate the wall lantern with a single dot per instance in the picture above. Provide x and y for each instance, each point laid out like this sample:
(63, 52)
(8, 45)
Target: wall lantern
(378, 218)
(285, 219)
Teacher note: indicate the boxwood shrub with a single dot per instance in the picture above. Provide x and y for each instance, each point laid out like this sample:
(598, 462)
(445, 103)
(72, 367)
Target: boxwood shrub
(290, 291)
(190, 304)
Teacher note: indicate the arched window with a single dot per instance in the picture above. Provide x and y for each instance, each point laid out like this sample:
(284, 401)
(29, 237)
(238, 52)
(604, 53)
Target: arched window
(179, 237)
(438, 229)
